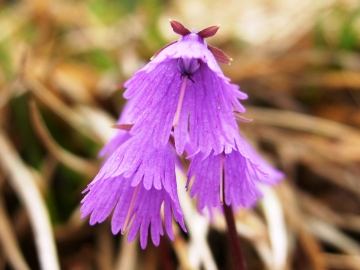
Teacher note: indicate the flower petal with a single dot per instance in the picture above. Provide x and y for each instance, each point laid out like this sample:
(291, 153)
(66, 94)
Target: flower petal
(242, 176)
(209, 102)
(154, 101)
(137, 158)
(138, 204)
(207, 180)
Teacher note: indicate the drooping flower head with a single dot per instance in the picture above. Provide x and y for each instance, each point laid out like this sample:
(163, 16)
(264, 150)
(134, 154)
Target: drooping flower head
(134, 182)
(184, 88)
(230, 178)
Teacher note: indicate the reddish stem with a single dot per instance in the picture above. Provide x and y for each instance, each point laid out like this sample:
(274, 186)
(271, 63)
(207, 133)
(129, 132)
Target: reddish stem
(235, 248)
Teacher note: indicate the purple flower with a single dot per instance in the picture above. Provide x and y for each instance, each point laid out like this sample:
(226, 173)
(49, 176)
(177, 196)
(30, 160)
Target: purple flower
(230, 178)
(180, 99)
(183, 87)
(135, 181)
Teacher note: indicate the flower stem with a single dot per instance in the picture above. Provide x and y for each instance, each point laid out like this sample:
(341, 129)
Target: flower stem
(235, 248)
(236, 253)
(181, 99)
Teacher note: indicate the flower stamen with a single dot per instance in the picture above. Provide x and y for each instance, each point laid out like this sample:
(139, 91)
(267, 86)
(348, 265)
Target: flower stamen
(180, 102)
(221, 179)
(127, 220)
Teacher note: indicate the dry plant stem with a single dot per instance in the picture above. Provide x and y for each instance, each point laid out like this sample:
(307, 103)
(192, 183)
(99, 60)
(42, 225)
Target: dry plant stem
(71, 116)
(301, 122)
(235, 248)
(164, 250)
(275, 220)
(104, 255)
(333, 236)
(197, 226)
(73, 227)
(9, 243)
(127, 257)
(180, 248)
(24, 185)
(335, 261)
(76, 163)
(299, 223)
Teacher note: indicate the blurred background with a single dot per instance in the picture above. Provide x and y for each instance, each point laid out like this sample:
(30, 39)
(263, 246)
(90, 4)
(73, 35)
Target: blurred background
(62, 66)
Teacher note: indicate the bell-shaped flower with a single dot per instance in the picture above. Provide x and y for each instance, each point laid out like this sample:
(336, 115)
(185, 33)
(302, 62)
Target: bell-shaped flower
(184, 88)
(134, 182)
(230, 178)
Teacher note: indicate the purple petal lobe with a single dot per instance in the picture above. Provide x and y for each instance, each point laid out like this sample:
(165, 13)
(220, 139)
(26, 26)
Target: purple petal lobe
(207, 180)
(145, 211)
(208, 106)
(162, 49)
(154, 98)
(242, 176)
(134, 182)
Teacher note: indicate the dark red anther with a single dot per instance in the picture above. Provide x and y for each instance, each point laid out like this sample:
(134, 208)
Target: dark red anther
(179, 28)
(209, 31)
(219, 55)
(126, 127)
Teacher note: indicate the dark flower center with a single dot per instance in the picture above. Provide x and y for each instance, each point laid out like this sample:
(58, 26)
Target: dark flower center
(188, 67)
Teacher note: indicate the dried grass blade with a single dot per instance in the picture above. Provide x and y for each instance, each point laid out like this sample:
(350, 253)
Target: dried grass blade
(56, 105)
(77, 164)
(127, 256)
(198, 227)
(9, 243)
(298, 224)
(335, 261)
(277, 229)
(305, 123)
(104, 256)
(24, 185)
(330, 234)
